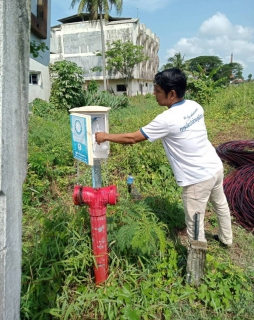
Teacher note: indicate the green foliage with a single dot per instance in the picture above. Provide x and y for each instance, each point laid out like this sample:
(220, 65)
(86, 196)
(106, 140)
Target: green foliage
(141, 231)
(230, 70)
(93, 86)
(104, 98)
(224, 285)
(67, 81)
(234, 103)
(42, 108)
(122, 57)
(177, 61)
(36, 47)
(57, 252)
(95, 8)
(207, 63)
(202, 87)
(199, 91)
(49, 156)
(146, 259)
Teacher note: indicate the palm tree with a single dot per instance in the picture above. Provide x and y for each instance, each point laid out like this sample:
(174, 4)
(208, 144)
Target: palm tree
(99, 8)
(177, 61)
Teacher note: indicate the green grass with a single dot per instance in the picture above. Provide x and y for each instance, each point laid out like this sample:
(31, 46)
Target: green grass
(147, 241)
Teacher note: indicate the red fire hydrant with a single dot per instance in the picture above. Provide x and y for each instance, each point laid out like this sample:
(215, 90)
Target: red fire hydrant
(97, 200)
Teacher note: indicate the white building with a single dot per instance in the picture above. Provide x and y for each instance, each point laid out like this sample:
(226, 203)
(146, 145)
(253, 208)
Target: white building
(78, 40)
(39, 80)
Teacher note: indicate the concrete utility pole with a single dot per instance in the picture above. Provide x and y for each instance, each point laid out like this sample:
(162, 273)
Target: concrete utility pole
(14, 75)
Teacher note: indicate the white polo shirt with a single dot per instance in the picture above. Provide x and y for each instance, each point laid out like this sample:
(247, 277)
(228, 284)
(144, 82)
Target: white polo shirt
(184, 136)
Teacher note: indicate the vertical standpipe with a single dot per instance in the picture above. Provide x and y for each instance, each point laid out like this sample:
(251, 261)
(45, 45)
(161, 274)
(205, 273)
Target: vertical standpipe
(85, 122)
(97, 200)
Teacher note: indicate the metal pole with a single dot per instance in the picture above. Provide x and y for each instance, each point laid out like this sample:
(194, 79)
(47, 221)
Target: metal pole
(96, 173)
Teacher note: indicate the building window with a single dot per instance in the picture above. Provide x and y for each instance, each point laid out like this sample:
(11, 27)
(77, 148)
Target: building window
(120, 87)
(35, 78)
(39, 18)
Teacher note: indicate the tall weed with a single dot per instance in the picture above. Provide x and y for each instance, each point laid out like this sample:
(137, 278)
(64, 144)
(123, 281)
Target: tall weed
(106, 99)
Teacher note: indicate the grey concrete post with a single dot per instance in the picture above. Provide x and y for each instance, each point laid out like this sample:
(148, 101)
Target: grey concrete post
(14, 76)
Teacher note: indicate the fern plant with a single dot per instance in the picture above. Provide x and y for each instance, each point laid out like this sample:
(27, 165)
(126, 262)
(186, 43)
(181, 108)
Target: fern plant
(141, 231)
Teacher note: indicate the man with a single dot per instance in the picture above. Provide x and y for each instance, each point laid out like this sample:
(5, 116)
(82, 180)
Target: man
(194, 161)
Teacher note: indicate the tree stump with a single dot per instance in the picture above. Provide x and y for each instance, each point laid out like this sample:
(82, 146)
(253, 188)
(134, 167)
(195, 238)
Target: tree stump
(196, 262)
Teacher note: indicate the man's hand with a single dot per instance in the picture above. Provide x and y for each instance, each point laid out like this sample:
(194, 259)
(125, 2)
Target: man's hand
(100, 137)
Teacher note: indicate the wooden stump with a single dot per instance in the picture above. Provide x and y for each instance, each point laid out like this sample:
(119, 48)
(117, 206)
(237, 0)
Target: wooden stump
(196, 262)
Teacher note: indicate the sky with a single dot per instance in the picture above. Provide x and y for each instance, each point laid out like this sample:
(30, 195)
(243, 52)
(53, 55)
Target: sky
(192, 27)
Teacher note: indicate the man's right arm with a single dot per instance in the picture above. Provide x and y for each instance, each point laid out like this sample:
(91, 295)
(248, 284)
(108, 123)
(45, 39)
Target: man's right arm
(122, 138)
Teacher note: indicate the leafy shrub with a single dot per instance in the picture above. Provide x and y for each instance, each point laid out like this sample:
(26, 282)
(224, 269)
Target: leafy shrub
(224, 284)
(93, 86)
(67, 85)
(49, 155)
(202, 87)
(149, 96)
(140, 230)
(42, 108)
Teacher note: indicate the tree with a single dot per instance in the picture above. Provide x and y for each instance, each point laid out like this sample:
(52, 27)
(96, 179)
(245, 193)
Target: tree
(207, 63)
(67, 80)
(177, 61)
(123, 57)
(99, 8)
(202, 87)
(231, 70)
(249, 77)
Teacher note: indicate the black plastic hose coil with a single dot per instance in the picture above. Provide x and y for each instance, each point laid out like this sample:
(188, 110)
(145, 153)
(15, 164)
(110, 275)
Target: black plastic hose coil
(237, 153)
(239, 185)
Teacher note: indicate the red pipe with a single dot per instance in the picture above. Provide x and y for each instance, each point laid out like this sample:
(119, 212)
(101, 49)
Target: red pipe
(97, 200)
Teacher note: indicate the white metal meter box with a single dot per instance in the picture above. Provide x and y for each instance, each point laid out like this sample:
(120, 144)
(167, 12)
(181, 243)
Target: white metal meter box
(85, 121)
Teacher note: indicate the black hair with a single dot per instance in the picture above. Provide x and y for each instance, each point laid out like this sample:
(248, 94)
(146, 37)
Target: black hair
(172, 79)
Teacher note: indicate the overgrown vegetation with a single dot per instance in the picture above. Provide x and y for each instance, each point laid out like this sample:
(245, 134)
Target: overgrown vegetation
(67, 91)
(67, 81)
(147, 248)
(106, 99)
(202, 87)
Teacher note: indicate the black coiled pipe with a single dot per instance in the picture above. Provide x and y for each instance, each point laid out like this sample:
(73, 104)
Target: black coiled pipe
(239, 185)
(237, 153)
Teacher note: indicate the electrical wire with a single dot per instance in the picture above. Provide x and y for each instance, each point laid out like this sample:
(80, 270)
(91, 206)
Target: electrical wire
(239, 185)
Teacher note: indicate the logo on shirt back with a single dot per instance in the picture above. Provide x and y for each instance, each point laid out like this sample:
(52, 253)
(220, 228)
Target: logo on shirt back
(190, 120)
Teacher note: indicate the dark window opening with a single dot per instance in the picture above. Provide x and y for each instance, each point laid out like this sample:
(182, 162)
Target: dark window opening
(120, 87)
(34, 78)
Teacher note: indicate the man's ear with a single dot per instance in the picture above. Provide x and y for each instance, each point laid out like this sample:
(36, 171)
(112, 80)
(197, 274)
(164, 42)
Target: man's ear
(172, 94)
